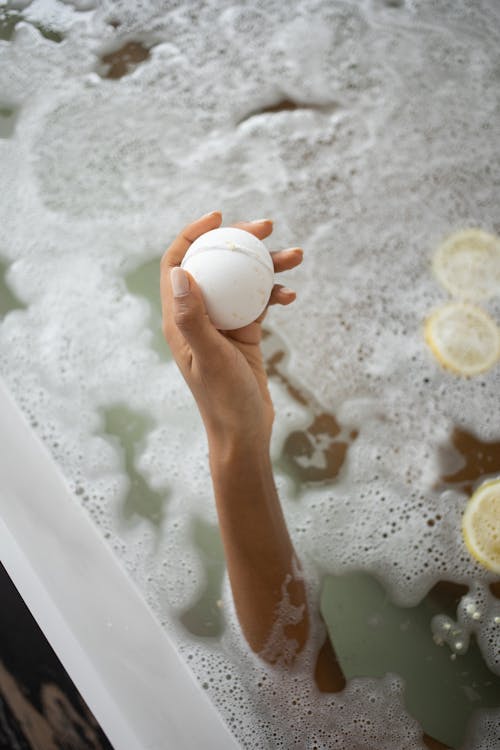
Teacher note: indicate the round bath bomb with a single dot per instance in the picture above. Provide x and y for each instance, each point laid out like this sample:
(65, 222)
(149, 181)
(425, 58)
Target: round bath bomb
(235, 273)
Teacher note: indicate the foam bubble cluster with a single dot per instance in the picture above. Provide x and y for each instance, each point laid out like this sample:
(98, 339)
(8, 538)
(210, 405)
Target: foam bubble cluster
(369, 132)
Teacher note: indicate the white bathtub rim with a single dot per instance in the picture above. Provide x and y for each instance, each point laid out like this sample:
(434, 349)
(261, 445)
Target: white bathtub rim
(121, 660)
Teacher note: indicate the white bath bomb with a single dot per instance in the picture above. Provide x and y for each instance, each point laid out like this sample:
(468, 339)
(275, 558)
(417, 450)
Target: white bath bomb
(235, 273)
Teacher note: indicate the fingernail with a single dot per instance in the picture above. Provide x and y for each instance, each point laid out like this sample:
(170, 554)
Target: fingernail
(287, 290)
(180, 282)
(210, 213)
(260, 221)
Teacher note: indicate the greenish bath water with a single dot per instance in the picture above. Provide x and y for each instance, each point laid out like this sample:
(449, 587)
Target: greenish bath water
(144, 281)
(128, 430)
(8, 300)
(371, 635)
(368, 131)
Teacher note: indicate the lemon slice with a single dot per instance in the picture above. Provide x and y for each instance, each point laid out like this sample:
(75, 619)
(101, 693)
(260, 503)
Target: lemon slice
(481, 525)
(463, 338)
(468, 264)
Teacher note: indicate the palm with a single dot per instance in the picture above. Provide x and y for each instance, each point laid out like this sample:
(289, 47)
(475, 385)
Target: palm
(249, 361)
(238, 386)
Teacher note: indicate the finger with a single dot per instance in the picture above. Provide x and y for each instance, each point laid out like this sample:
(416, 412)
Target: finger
(284, 260)
(176, 252)
(180, 245)
(281, 295)
(191, 318)
(261, 228)
(250, 334)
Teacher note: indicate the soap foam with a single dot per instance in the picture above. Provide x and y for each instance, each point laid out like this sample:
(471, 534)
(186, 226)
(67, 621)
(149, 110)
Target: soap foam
(369, 133)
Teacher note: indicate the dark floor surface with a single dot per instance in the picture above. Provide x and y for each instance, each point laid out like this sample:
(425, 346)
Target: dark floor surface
(40, 707)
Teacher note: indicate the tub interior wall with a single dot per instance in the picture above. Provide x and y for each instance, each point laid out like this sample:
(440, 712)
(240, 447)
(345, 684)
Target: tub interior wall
(369, 132)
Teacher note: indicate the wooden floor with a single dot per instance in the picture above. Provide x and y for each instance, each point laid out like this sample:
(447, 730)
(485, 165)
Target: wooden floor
(40, 708)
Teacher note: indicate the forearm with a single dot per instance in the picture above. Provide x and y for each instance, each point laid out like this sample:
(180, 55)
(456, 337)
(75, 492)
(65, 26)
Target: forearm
(261, 561)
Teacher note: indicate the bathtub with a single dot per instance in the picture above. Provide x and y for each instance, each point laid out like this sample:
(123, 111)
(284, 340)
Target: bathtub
(120, 659)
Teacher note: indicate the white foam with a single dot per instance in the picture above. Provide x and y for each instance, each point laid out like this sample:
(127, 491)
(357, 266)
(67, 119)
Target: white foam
(393, 145)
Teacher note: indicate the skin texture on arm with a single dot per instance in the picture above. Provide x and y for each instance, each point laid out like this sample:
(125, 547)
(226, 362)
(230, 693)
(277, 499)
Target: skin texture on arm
(226, 374)
(263, 569)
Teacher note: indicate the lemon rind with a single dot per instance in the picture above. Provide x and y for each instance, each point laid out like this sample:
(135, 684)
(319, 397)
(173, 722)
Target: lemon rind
(438, 353)
(470, 510)
(438, 266)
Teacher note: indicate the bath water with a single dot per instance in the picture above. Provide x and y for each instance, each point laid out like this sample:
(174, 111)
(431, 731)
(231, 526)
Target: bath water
(369, 132)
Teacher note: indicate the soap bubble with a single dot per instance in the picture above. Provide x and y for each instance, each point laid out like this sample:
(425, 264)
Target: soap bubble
(369, 133)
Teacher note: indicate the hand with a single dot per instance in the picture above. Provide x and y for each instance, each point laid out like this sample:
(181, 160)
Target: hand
(224, 369)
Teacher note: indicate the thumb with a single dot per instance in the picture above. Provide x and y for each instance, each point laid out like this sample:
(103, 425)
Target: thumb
(190, 314)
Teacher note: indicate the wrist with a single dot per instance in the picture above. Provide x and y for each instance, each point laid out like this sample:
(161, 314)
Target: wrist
(242, 448)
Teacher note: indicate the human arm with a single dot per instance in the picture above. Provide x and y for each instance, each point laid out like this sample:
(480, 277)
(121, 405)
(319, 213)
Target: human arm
(226, 374)
(264, 572)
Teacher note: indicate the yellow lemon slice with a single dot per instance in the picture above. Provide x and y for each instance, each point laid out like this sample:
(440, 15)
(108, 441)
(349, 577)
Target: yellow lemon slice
(481, 525)
(463, 338)
(468, 264)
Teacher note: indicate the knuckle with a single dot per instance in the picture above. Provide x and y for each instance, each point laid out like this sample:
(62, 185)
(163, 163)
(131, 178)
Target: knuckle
(185, 318)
